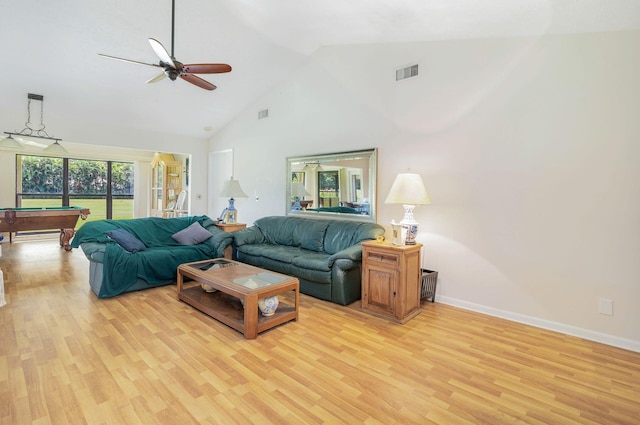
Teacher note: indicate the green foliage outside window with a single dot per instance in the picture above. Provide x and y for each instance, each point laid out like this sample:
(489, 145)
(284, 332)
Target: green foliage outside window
(42, 175)
(329, 184)
(122, 178)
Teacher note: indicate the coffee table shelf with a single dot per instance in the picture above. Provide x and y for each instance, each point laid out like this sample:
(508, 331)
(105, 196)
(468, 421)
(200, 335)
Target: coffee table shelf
(225, 304)
(228, 309)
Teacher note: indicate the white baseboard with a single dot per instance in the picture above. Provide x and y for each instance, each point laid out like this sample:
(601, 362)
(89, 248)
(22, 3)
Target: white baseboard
(627, 344)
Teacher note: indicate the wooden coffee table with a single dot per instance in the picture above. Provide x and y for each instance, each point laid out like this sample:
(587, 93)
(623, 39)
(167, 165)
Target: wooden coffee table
(229, 278)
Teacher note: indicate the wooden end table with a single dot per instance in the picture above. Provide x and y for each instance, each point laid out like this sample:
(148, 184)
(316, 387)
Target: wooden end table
(391, 280)
(230, 280)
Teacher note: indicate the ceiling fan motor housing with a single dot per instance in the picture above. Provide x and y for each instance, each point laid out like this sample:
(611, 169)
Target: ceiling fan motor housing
(172, 73)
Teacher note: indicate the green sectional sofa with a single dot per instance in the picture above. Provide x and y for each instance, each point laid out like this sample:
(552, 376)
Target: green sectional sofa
(325, 255)
(117, 266)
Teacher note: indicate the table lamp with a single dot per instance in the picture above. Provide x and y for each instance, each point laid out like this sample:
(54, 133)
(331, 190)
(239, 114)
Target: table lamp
(231, 189)
(298, 191)
(408, 189)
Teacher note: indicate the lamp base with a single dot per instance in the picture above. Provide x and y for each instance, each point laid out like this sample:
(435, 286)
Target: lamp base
(411, 232)
(409, 224)
(296, 205)
(230, 214)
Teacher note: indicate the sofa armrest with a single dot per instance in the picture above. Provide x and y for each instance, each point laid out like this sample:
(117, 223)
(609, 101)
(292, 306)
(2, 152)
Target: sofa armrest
(94, 251)
(219, 241)
(249, 236)
(353, 253)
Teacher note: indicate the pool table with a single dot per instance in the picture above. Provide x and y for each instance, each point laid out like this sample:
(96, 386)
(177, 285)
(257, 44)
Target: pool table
(63, 218)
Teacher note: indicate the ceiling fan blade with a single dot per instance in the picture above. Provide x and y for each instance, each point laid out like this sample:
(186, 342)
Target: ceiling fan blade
(194, 79)
(157, 78)
(129, 60)
(206, 68)
(162, 52)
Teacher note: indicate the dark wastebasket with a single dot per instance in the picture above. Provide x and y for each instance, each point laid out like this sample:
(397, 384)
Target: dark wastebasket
(428, 281)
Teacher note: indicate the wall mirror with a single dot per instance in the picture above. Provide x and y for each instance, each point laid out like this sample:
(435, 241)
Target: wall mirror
(337, 185)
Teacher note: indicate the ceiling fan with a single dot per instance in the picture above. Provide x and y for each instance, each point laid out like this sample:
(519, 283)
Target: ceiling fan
(174, 69)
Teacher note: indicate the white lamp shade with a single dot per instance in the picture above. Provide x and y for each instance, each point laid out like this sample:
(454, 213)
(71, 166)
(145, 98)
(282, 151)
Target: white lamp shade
(298, 190)
(232, 189)
(10, 143)
(55, 147)
(408, 189)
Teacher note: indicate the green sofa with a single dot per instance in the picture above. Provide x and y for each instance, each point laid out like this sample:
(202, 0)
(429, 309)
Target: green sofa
(113, 270)
(325, 255)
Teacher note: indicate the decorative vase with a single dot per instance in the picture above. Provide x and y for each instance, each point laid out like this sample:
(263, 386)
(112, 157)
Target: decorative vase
(208, 288)
(268, 305)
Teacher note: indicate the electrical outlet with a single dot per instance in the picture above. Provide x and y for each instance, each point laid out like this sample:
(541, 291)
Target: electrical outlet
(605, 306)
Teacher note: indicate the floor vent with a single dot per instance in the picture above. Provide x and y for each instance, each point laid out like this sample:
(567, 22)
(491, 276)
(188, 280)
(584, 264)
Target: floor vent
(263, 114)
(408, 72)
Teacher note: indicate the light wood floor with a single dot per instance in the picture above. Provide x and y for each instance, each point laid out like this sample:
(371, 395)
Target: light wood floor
(68, 358)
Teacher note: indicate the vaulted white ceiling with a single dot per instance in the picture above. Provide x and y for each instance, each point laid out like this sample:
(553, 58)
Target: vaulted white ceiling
(51, 48)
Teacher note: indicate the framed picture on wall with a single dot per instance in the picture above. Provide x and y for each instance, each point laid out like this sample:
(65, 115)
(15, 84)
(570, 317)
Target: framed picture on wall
(297, 177)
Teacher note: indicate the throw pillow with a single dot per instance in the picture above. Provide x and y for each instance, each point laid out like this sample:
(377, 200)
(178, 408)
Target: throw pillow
(192, 235)
(126, 240)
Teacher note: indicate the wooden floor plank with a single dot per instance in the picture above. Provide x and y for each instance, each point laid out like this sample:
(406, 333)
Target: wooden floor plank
(144, 357)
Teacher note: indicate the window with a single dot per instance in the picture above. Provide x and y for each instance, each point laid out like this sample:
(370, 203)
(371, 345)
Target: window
(328, 188)
(121, 180)
(105, 187)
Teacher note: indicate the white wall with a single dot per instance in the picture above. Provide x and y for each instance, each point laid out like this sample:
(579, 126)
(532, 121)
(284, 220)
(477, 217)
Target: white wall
(529, 149)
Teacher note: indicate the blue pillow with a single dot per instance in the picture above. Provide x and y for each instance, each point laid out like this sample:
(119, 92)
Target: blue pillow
(126, 240)
(192, 235)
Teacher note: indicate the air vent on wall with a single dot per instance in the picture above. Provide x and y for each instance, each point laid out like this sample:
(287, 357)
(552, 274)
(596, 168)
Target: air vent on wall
(263, 114)
(408, 72)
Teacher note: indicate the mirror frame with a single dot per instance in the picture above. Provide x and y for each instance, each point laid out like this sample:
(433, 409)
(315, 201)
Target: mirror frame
(330, 161)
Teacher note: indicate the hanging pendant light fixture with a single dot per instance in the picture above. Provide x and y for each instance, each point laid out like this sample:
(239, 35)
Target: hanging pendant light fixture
(55, 147)
(29, 131)
(10, 143)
